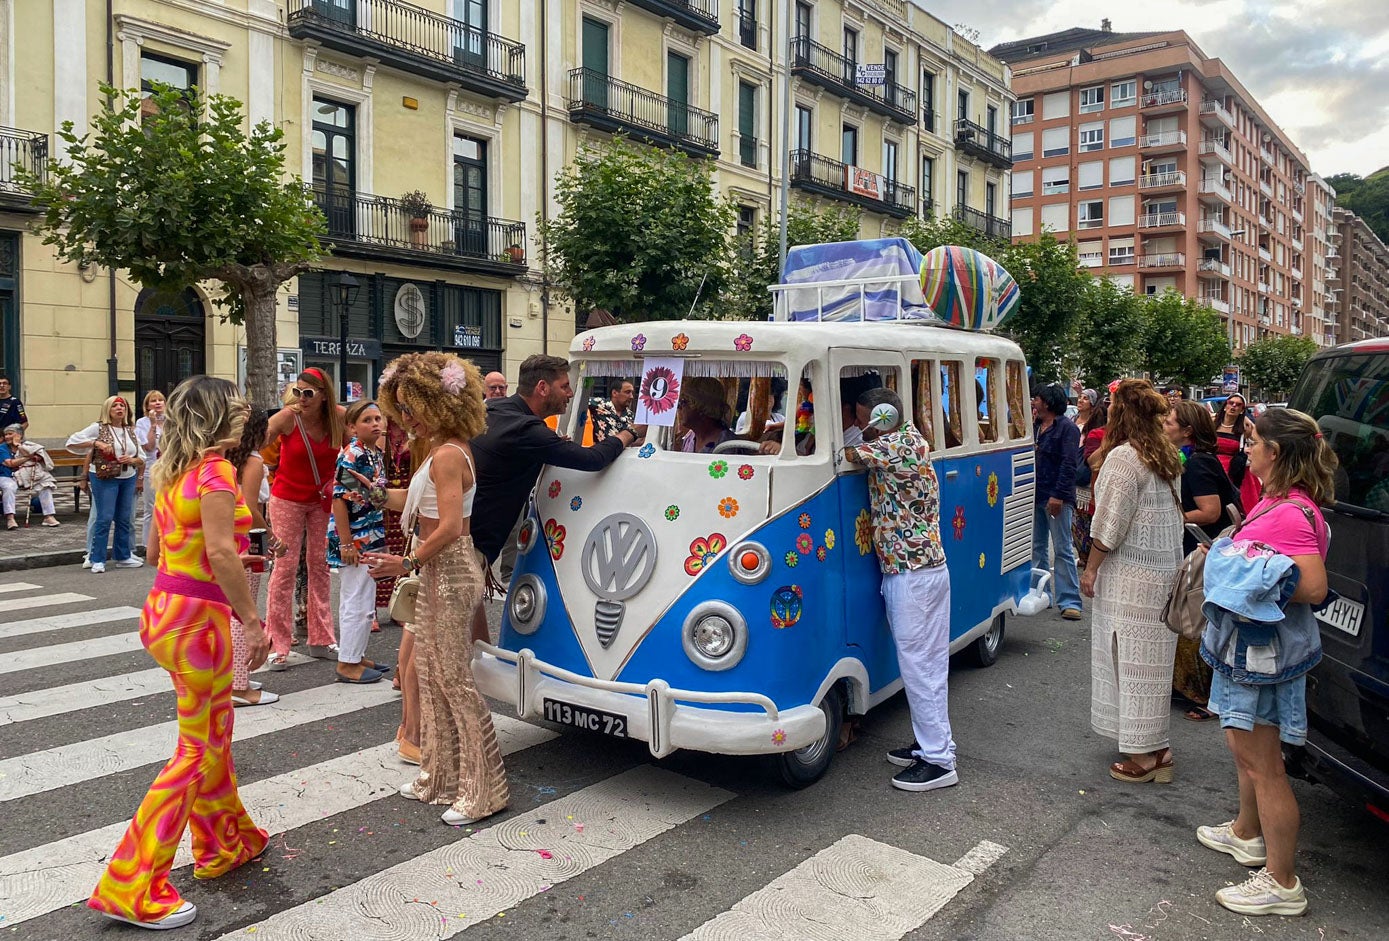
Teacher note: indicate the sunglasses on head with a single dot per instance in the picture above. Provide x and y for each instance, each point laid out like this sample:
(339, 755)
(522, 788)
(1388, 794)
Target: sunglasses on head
(302, 393)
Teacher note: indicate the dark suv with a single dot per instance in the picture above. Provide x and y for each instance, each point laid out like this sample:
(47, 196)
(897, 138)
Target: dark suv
(1346, 389)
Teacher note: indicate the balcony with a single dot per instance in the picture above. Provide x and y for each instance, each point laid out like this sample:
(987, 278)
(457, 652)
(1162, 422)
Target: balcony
(1297, 243)
(1215, 113)
(376, 227)
(1212, 268)
(985, 224)
(1266, 187)
(1215, 190)
(20, 149)
(1216, 302)
(825, 177)
(928, 208)
(1265, 287)
(1161, 261)
(1164, 140)
(978, 141)
(1266, 255)
(1297, 212)
(822, 66)
(1162, 220)
(1212, 146)
(699, 16)
(607, 104)
(747, 29)
(1020, 119)
(1163, 99)
(1214, 227)
(414, 40)
(1160, 182)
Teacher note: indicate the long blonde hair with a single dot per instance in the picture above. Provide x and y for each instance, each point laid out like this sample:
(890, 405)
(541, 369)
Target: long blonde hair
(202, 413)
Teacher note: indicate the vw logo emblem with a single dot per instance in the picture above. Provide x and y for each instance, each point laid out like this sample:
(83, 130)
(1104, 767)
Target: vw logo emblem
(619, 557)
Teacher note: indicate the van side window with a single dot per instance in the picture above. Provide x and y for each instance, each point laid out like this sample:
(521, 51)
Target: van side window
(853, 382)
(950, 403)
(801, 415)
(985, 383)
(925, 401)
(1017, 408)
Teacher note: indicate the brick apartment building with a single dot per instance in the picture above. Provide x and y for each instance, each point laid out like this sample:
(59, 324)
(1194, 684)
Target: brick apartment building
(1168, 174)
(1357, 270)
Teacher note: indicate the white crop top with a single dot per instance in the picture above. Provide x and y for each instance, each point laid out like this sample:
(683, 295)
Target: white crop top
(422, 498)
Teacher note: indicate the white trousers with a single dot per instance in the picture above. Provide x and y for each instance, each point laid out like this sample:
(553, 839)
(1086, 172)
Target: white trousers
(8, 487)
(918, 611)
(356, 609)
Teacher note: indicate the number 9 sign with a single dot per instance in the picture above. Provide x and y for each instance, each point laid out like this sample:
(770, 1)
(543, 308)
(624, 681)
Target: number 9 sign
(660, 391)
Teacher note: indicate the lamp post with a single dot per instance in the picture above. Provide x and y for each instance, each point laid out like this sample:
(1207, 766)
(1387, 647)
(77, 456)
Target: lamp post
(344, 296)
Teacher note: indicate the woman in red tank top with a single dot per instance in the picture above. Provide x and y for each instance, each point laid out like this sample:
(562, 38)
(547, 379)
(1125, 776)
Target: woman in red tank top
(309, 430)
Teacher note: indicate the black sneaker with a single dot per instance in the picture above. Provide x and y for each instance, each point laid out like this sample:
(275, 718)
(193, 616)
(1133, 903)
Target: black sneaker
(924, 776)
(903, 757)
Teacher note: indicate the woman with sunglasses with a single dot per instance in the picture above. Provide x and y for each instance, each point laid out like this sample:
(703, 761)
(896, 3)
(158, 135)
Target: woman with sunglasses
(115, 467)
(1233, 428)
(309, 429)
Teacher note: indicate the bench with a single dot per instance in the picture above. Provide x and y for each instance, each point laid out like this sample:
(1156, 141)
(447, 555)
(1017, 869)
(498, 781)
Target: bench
(67, 469)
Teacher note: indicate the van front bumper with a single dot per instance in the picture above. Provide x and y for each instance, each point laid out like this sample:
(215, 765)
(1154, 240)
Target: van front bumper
(655, 713)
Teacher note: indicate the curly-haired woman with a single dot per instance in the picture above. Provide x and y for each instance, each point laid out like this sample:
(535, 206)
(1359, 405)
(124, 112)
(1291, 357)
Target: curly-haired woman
(439, 398)
(1135, 548)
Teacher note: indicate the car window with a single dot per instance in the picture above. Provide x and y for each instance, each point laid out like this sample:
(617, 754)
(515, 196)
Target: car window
(1349, 398)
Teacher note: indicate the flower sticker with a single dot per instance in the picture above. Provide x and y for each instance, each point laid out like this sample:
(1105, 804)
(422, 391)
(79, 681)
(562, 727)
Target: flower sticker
(646, 450)
(672, 512)
(660, 388)
(554, 538)
(638, 342)
(863, 532)
(993, 489)
(959, 522)
(588, 344)
(820, 553)
(742, 343)
(718, 469)
(978, 470)
(575, 503)
(728, 508)
(791, 559)
(803, 520)
(779, 737)
(981, 560)
(804, 543)
(679, 342)
(703, 552)
(829, 539)
(554, 489)
(745, 472)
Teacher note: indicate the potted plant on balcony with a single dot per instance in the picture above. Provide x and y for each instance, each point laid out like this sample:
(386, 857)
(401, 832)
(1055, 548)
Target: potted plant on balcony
(515, 253)
(417, 206)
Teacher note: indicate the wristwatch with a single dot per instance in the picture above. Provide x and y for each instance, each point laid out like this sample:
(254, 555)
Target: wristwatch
(409, 564)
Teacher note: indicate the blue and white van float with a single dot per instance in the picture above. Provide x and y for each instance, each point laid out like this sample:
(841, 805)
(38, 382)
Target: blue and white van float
(729, 602)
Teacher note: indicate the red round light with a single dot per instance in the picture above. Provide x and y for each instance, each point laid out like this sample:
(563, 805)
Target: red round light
(750, 561)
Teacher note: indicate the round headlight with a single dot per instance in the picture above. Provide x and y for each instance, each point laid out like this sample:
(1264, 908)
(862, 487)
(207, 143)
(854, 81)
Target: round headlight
(527, 604)
(749, 562)
(525, 537)
(715, 635)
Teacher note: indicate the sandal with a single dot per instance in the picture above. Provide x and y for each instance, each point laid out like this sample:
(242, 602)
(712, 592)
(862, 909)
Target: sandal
(1199, 714)
(1132, 772)
(278, 662)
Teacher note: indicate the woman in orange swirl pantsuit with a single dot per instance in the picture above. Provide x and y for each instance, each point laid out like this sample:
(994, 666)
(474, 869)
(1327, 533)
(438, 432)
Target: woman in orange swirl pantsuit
(200, 533)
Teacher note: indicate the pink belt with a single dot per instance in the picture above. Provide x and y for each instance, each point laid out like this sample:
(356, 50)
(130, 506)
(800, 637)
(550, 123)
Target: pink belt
(190, 587)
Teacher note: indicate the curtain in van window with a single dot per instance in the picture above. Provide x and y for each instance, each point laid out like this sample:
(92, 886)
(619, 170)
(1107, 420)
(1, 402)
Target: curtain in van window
(1017, 413)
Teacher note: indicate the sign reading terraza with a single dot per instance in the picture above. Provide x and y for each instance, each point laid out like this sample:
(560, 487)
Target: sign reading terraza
(328, 346)
(410, 312)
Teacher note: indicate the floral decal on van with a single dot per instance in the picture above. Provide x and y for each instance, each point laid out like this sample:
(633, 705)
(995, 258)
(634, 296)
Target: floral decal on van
(718, 469)
(829, 539)
(863, 532)
(554, 538)
(703, 551)
(554, 489)
(742, 343)
(588, 343)
(638, 342)
(993, 489)
(959, 522)
(679, 342)
(576, 503)
(672, 512)
(728, 508)
(804, 543)
(745, 472)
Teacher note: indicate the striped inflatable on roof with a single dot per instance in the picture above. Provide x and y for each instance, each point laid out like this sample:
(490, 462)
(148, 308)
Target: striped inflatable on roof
(967, 288)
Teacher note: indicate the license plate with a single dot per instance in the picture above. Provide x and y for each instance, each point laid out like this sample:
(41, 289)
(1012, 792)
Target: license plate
(582, 717)
(1344, 615)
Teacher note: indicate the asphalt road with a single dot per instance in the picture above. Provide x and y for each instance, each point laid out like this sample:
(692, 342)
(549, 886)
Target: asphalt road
(603, 842)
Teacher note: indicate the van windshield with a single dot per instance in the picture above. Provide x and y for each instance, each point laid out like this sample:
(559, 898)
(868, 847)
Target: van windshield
(1349, 398)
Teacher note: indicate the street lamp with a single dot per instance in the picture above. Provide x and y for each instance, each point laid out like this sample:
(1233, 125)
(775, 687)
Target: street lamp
(344, 296)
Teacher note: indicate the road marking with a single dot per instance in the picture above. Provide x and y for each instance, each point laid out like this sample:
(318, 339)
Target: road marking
(984, 855)
(469, 881)
(57, 700)
(18, 586)
(58, 767)
(35, 658)
(46, 878)
(855, 888)
(59, 622)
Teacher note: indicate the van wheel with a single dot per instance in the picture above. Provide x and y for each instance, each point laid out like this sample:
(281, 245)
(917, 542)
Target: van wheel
(805, 766)
(984, 651)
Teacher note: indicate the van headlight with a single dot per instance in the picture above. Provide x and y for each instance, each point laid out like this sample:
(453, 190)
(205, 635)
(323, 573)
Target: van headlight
(749, 562)
(715, 635)
(527, 603)
(525, 536)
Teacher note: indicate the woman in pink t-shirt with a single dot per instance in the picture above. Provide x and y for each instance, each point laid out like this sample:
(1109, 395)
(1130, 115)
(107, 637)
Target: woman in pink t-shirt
(1287, 453)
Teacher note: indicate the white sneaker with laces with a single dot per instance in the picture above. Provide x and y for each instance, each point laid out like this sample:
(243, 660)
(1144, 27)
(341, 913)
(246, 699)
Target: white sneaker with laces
(86, 562)
(179, 917)
(98, 568)
(1222, 839)
(1261, 894)
(407, 790)
(130, 563)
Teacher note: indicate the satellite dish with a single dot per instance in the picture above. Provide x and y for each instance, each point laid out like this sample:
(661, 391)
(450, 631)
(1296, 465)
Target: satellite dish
(1148, 86)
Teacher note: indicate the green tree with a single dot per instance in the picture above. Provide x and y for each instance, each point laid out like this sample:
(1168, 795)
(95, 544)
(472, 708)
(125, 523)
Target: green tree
(640, 232)
(175, 192)
(1367, 197)
(1183, 342)
(927, 234)
(1272, 365)
(757, 255)
(1107, 340)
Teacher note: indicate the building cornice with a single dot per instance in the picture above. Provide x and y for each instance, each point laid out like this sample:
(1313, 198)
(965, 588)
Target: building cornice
(135, 29)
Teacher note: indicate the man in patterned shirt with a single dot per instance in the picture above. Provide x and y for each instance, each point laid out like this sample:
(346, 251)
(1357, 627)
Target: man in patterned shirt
(905, 498)
(611, 416)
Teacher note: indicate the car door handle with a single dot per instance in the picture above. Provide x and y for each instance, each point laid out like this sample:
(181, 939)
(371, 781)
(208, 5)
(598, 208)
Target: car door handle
(951, 475)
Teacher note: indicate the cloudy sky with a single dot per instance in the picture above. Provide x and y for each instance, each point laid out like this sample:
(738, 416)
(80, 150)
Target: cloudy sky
(1320, 68)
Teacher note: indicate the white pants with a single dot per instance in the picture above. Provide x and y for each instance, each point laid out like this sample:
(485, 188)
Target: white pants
(356, 609)
(146, 507)
(918, 611)
(8, 487)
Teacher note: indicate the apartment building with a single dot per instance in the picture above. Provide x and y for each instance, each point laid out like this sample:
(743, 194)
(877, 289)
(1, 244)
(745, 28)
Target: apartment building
(1357, 271)
(1320, 322)
(477, 104)
(1167, 172)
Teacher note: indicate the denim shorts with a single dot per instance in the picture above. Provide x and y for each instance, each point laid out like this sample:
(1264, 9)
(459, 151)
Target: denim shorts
(1279, 704)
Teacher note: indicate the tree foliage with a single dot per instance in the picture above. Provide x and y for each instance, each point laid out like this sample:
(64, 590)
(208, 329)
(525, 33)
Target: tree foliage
(175, 192)
(1184, 342)
(1367, 197)
(1107, 340)
(640, 232)
(1273, 365)
(757, 255)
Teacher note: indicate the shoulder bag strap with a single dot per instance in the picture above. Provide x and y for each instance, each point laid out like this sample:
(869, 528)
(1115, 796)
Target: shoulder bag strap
(308, 447)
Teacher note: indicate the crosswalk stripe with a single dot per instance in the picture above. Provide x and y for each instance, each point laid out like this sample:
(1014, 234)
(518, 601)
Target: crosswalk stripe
(59, 621)
(18, 586)
(58, 767)
(37, 881)
(35, 658)
(493, 869)
(57, 700)
(44, 601)
(855, 888)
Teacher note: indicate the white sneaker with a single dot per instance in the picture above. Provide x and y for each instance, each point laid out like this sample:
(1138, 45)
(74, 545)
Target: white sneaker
(130, 563)
(98, 568)
(454, 819)
(407, 790)
(1261, 894)
(86, 562)
(179, 917)
(1222, 839)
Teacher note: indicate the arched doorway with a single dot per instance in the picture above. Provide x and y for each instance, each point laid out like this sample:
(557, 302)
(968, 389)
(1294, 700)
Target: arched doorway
(170, 339)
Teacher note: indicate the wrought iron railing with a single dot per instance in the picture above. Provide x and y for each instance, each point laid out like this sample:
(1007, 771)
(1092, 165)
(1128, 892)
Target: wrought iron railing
(747, 27)
(824, 61)
(982, 222)
(363, 219)
(591, 90)
(967, 133)
(810, 167)
(418, 32)
(21, 149)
